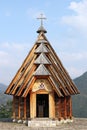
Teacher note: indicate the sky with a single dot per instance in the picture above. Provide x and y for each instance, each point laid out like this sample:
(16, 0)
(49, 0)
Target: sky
(66, 26)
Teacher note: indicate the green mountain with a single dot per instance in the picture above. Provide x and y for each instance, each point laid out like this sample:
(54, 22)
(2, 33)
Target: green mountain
(2, 87)
(80, 100)
(3, 97)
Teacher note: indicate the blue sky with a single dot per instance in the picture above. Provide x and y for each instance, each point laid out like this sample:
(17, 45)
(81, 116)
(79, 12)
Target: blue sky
(66, 27)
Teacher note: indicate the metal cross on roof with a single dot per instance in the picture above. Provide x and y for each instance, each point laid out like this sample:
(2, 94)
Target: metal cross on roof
(41, 17)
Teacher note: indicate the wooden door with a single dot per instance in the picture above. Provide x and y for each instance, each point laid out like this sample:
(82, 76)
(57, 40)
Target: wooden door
(42, 105)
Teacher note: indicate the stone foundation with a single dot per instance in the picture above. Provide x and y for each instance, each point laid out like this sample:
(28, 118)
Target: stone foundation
(42, 122)
(47, 122)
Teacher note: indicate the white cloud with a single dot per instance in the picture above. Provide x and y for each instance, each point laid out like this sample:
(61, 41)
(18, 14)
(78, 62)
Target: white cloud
(11, 57)
(3, 58)
(73, 57)
(79, 18)
(14, 46)
(79, 7)
(75, 63)
(75, 72)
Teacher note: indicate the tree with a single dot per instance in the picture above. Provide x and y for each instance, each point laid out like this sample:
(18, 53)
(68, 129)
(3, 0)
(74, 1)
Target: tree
(6, 110)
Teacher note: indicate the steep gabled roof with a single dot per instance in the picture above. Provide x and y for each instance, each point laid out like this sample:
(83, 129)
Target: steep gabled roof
(42, 60)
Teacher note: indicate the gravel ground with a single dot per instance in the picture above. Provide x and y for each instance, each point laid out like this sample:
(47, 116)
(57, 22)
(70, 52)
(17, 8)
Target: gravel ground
(78, 124)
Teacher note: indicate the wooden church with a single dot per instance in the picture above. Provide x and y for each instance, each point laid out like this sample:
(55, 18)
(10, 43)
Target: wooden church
(42, 88)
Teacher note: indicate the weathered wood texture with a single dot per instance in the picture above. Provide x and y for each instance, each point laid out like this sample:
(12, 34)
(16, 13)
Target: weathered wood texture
(30, 69)
(28, 106)
(63, 107)
(21, 107)
(41, 63)
(51, 106)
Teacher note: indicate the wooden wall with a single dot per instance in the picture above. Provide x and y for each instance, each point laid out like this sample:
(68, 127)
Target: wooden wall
(28, 106)
(60, 108)
(21, 107)
(63, 107)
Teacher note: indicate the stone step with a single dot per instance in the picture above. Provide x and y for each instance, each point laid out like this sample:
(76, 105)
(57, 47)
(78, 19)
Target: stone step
(42, 119)
(42, 122)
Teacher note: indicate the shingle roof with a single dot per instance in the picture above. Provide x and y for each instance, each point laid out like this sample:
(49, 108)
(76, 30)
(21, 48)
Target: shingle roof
(41, 71)
(42, 49)
(42, 60)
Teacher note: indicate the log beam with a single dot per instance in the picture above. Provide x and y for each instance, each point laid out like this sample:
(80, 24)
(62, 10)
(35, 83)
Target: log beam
(70, 107)
(51, 105)
(32, 105)
(65, 113)
(19, 110)
(24, 108)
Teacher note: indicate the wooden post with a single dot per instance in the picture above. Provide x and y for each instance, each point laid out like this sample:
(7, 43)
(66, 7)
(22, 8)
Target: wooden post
(24, 108)
(70, 107)
(59, 109)
(19, 108)
(14, 107)
(32, 105)
(65, 113)
(51, 105)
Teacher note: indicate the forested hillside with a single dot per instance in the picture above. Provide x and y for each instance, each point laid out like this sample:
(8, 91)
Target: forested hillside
(3, 97)
(80, 101)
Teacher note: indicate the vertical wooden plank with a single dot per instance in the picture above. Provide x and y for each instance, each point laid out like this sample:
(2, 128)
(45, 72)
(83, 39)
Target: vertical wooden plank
(51, 105)
(56, 105)
(14, 116)
(65, 113)
(19, 108)
(59, 109)
(32, 105)
(28, 106)
(16, 106)
(31, 102)
(70, 107)
(62, 108)
(24, 108)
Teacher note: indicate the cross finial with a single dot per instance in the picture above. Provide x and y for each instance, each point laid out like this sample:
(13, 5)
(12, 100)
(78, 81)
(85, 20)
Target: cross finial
(41, 17)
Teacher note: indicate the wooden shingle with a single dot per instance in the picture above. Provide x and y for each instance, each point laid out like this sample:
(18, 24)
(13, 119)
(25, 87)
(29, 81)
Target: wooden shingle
(41, 71)
(42, 59)
(42, 49)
